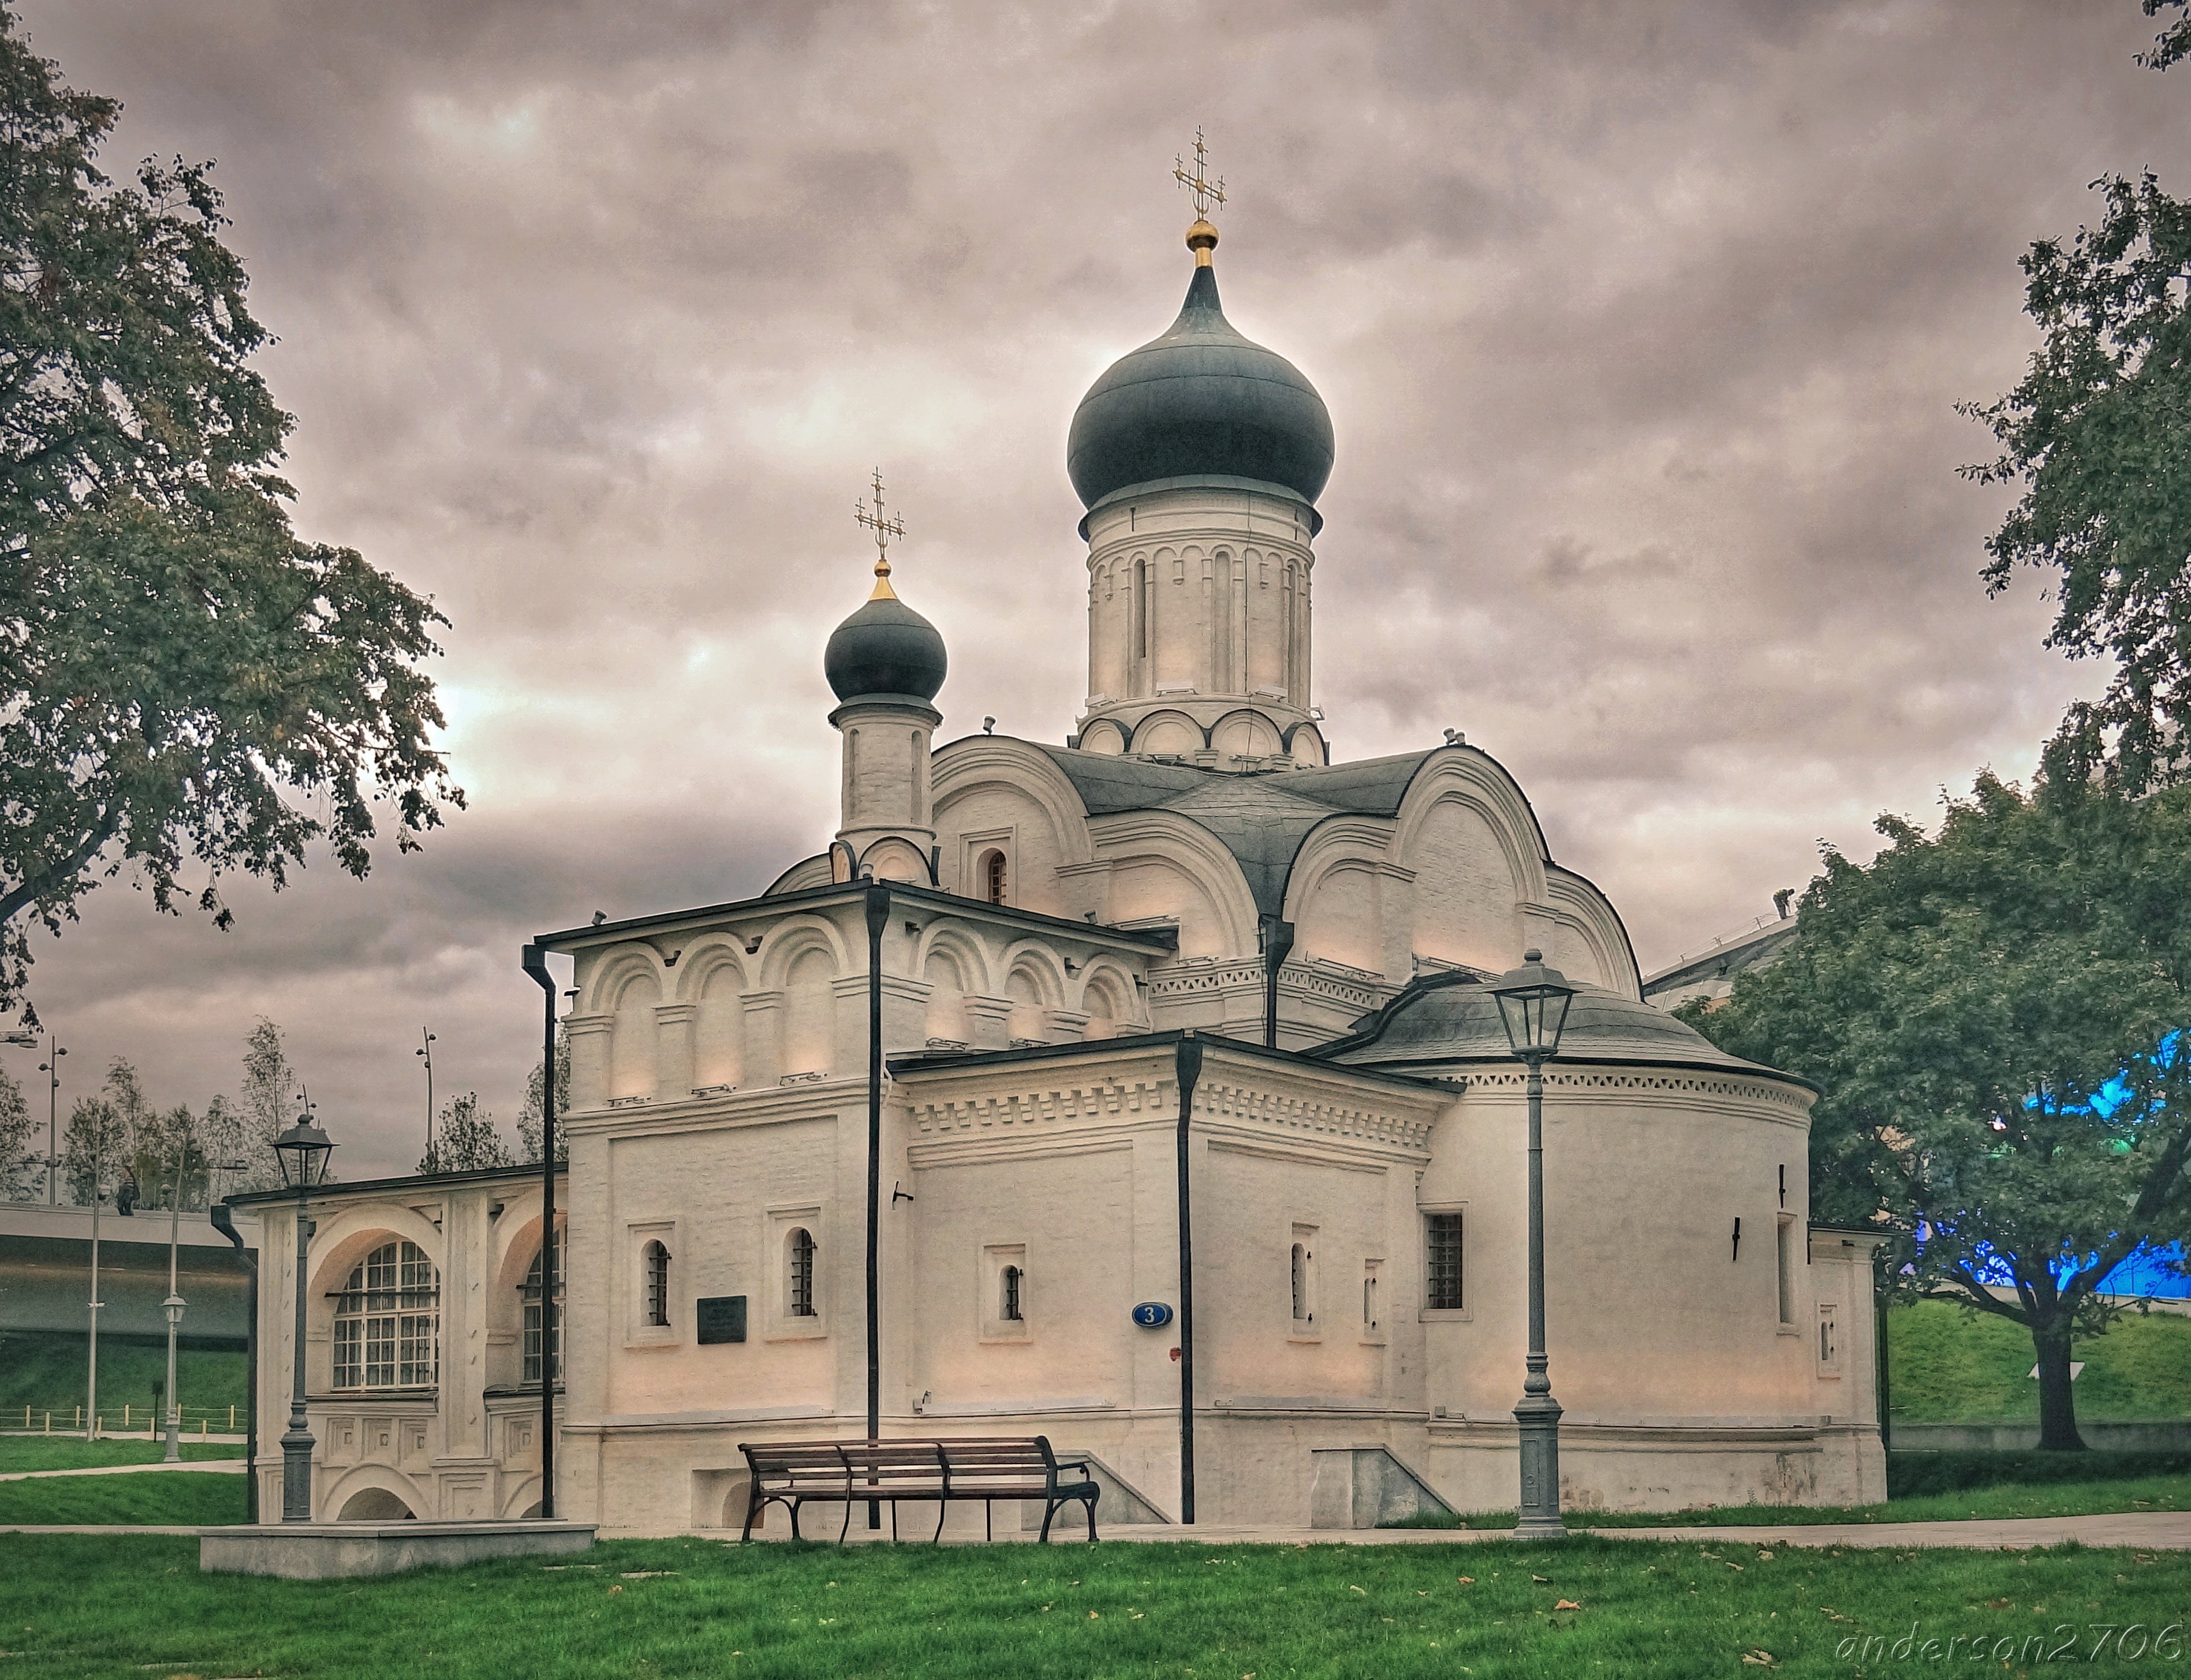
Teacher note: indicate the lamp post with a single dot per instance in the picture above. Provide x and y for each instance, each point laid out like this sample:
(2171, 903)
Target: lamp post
(173, 1306)
(51, 1067)
(303, 1152)
(1533, 1007)
(426, 1050)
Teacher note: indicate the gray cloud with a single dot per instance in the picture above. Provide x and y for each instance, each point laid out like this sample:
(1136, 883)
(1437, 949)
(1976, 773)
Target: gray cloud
(1641, 330)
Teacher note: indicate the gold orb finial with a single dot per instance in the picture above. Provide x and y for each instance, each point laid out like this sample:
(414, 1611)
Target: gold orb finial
(1202, 240)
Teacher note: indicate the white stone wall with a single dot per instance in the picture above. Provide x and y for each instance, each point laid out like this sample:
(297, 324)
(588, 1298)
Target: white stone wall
(465, 1447)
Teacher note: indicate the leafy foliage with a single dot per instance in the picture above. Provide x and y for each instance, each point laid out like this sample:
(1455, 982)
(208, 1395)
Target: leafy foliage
(1992, 1013)
(2097, 434)
(2173, 43)
(464, 1138)
(528, 1117)
(18, 1177)
(265, 1105)
(181, 677)
(99, 1144)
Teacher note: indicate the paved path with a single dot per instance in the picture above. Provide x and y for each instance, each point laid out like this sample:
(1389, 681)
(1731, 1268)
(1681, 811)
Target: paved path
(222, 1466)
(2143, 1530)
(2147, 1530)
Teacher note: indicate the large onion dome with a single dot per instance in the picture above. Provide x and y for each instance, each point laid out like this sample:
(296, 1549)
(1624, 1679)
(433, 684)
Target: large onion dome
(884, 648)
(1200, 402)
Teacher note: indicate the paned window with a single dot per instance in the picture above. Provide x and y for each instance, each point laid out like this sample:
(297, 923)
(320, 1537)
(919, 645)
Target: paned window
(1442, 1235)
(992, 877)
(533, 1315)
(798, 1273)
(388, 1319)
(655, 1262)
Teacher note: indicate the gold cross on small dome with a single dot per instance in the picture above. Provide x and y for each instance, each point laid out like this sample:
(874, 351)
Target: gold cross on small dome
(1206, 192)
(884, 527)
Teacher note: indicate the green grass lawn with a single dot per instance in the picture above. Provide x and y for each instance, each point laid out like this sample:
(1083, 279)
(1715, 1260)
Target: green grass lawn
(164, 1496)
(1945, 1365)
(60, 1452)
(2059, 1499)
(46, 1370)
(85, 1609)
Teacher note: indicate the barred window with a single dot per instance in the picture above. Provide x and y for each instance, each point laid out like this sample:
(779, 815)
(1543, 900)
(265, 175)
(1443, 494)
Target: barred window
(388, 1320)
(1012, 1278)
(531, 1293)
(655, 1259)
(1442, 1274)
(798, 1273)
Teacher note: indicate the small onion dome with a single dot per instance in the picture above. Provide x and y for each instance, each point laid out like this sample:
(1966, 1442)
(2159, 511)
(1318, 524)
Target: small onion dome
(1201, 402)
(885, 648)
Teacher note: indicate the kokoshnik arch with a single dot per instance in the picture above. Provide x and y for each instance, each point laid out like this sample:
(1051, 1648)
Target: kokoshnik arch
(910, 1136)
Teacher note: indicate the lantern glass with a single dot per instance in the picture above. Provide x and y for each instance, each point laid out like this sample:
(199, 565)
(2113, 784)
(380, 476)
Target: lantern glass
(303, 1152)
(1533, 1007)
(172, 1307)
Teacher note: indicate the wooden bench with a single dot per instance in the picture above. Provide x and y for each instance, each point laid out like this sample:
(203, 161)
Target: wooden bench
(793, 1473)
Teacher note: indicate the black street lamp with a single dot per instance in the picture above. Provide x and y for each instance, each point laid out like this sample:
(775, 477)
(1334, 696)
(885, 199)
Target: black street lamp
(303, 1152)
(1533, 1007)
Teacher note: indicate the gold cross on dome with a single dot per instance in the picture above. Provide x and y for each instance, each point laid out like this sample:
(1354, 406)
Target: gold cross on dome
(1205, 192)
(884, 527)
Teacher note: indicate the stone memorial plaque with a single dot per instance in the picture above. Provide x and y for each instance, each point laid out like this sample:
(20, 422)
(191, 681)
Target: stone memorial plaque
(722, 1317)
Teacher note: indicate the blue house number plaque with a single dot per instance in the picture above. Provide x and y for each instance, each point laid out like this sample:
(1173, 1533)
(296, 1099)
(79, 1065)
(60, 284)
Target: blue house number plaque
(1152, 1315)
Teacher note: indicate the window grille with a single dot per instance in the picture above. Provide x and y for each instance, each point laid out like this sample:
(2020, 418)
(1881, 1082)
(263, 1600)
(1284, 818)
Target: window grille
(993, 877)
(1012, 1279)
(388, 1319)
(800, 1279)
(1300, 1282)
(531, 1340)
(1442, 1274)
(658, 1285)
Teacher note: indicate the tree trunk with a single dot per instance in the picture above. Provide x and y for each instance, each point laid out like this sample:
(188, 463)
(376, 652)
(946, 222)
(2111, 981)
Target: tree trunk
(2057, 1405)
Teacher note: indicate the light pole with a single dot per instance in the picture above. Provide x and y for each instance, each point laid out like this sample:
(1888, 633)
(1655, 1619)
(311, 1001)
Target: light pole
(1532, 1006)
(91, 1382)
(426, 1050)
(173, 1306)
(303, 1152)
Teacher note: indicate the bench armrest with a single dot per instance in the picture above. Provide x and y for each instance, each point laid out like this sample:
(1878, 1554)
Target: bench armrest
(1079, 1464)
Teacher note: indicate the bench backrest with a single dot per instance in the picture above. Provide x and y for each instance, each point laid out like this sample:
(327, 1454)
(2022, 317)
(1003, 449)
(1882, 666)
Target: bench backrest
(966, 1466)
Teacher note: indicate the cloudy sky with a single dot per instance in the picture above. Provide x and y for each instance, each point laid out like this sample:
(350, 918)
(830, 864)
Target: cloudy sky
(1642, 328)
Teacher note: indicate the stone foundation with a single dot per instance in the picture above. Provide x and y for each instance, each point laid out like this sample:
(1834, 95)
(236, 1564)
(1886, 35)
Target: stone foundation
(322, 1551)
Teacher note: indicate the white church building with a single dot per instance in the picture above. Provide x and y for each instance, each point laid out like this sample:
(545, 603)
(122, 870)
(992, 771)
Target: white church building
(1144, 1091)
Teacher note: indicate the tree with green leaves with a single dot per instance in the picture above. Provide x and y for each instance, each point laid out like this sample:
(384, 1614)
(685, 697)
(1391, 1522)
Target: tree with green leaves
(2097, 436)
(464, 1138)
(267, 1107)
(528, 1116)
(18, 1177)
(101, 1143)
(1993, 1013)
(183, 678)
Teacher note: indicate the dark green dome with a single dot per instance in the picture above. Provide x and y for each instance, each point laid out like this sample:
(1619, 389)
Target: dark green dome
(884, 648)
(1199, 402)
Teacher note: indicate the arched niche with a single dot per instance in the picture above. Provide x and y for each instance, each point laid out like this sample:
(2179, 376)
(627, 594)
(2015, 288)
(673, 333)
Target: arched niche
(634, 1038)
(945, 969)
(810, 1026)
(1168, 732)
(719, 1022)
(1245, 735)
(1103, 736)
(1107, 999)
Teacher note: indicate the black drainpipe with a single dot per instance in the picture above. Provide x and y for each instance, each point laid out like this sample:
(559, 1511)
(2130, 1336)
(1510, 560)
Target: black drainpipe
(225, 1223)
(878, 918)
(1278, 945)
(535, 964)
(1189, 1071)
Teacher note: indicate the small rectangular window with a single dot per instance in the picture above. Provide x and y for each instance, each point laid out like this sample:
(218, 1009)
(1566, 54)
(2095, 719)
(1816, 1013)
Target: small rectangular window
(1005, 1300)
(1302, 1268)
(1830, 1339)
(1786, 1262)
(1443, 1262)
